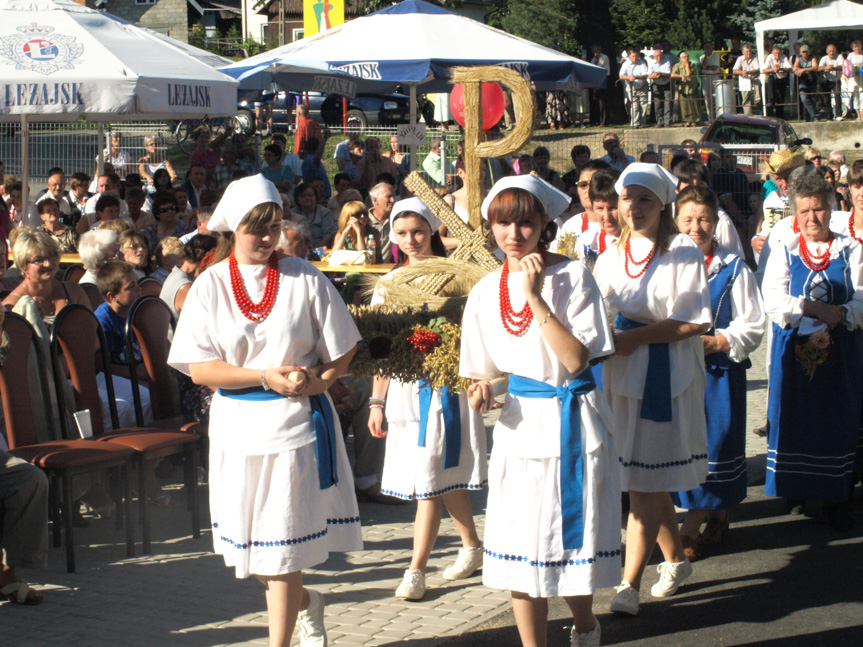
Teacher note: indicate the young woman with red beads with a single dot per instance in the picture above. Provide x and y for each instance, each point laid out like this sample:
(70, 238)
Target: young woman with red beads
(553, 516)
(813, 293)
(271, 333)
(436, 446)
(654, 282)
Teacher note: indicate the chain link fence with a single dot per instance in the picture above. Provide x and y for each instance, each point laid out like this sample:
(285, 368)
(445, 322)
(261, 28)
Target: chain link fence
(75, 146)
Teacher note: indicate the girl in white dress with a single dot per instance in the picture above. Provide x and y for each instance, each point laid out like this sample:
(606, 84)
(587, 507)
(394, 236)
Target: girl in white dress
(553, 516)
(435, 463)
(281, 491)
(655, 283)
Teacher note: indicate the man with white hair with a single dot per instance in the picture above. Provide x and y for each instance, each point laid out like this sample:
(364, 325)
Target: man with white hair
(383, 197)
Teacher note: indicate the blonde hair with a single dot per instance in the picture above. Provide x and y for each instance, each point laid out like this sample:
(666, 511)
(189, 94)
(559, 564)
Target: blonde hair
(117, 225)
(350, 210)
(261, 216)
(33, 241)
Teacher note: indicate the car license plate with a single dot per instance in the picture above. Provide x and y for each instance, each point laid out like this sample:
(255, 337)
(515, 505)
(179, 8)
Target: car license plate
(744, 160)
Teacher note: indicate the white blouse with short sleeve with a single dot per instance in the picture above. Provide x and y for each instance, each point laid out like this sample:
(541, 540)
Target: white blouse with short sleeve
(308, 324)
(530, 428)
(674, 286)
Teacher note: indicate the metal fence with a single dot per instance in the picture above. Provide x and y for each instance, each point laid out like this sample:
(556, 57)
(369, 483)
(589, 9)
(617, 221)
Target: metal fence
(75, 146)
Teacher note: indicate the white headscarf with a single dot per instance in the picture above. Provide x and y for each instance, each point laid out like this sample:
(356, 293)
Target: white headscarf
(240, 197)
(413, 205)
(554, 201)
(652, 177)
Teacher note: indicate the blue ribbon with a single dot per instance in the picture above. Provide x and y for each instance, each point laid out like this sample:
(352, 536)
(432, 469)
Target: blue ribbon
(656, 398)
(322, 417)
(451, 422)
(571, 459)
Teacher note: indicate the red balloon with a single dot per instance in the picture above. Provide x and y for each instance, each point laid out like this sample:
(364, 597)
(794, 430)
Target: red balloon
(493, 104)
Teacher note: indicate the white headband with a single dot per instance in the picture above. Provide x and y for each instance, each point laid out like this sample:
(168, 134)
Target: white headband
(652, 177)
(554, 201)
(240, 198)
(413, 205)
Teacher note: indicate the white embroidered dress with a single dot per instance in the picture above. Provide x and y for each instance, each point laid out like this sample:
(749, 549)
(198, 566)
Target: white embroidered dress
(523, 533)
(269, 515)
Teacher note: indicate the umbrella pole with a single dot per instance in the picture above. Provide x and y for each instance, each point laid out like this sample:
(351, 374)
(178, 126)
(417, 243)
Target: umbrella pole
(413, 120)
(100, 137)
(25, 168)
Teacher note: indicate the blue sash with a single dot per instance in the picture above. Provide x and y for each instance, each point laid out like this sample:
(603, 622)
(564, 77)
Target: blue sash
(451, 422)
(656, 398)
(322, 417)
(571, 459)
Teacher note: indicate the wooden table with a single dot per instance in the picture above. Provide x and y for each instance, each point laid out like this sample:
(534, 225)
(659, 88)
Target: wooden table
(72, 259)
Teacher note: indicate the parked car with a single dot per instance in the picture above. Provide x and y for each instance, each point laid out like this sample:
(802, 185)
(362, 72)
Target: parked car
(741, 130)
(363, 110)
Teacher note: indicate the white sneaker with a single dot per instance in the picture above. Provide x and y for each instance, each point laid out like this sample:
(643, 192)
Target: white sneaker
(671, 575)
(626, 600)
(590, 639)
(466, 564)
(310, 622)
(413, 586)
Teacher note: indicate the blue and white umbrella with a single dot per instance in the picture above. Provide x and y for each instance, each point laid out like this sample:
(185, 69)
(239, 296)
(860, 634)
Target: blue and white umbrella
(411, 43)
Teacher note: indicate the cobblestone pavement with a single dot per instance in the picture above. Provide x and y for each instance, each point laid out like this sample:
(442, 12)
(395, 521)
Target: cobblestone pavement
(182, 594)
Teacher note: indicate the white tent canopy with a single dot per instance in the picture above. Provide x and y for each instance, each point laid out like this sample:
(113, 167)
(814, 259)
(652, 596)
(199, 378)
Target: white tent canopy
(836, 16)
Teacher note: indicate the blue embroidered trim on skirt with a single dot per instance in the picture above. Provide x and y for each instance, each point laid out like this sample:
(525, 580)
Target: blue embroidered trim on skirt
(659, 466)
(284, 542)
(429, 495)
(556, 563)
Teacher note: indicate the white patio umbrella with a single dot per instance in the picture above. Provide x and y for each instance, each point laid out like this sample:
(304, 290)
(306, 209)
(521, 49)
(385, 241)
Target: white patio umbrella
(411, 43)
(59, 59)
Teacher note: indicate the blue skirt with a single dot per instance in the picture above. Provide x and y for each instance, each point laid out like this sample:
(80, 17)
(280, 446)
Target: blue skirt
(725, 411)
(813, 425)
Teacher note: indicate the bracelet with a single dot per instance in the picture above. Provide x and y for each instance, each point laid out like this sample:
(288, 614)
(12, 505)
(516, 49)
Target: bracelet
(376, 406)
(326, 384)
(264, 380)
(545, 319)
(376, 402)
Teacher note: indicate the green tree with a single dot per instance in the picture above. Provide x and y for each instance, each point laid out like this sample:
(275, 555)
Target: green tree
(198, 36)
(642, 22)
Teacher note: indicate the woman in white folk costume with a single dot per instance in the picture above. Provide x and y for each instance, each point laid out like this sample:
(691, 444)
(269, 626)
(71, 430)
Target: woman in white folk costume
(737, 329)
(813, 295)
(271, 333)
(436, 447)
(655, 284)
(553, 514)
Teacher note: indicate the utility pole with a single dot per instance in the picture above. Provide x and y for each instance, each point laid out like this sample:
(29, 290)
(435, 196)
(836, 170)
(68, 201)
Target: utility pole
(281, 22)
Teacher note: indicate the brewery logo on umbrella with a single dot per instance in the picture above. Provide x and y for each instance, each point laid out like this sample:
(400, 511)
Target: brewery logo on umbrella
(38, 48)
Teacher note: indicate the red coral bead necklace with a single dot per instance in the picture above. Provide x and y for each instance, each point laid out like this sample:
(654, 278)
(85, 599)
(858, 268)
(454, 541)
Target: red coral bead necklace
(584, 222)
(708, 258)
(254, 311)
(851, 230)
(815, 262)
(602, 244)
(515, 323)
(629, 259)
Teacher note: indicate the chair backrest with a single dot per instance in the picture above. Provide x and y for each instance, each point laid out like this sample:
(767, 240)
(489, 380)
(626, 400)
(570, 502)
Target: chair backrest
(14, 386)
(92, 292)
(74, 273)
(77, 334)
(149, 321)
(150, 286)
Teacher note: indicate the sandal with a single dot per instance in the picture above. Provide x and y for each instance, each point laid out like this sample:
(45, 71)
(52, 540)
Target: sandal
(714, 532)
(19, 592)
(690, 547)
